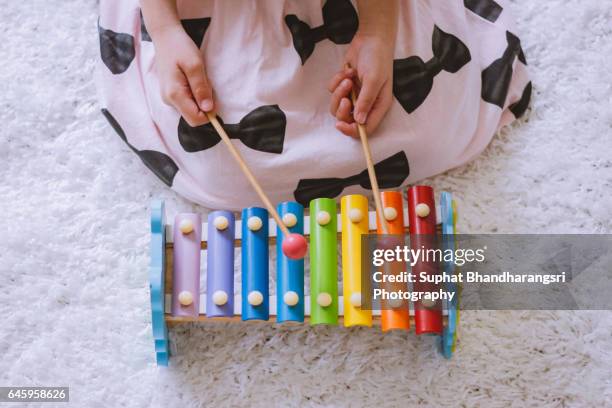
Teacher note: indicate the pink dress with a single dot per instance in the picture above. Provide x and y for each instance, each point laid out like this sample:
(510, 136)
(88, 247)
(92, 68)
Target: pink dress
(459, 75)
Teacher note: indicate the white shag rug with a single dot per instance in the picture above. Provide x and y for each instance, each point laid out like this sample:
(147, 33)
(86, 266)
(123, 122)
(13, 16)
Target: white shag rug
(74, 298)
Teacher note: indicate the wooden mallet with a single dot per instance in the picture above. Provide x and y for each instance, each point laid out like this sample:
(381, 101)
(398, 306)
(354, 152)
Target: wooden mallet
(371, 172)
(294, 245)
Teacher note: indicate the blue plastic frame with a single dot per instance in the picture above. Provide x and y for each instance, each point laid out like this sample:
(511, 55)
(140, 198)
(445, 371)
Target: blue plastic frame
(156, 282)
(449, 334)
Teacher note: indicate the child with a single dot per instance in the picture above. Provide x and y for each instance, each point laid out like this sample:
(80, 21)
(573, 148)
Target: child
(435, 81)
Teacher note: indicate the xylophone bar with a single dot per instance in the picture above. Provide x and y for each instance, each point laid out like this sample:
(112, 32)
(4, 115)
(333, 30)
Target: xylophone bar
(186, 277)
(255, 272)
(394, 316)
(428, 316)
(220, 264)
(354, 224)
(323, 262)
(290, 272)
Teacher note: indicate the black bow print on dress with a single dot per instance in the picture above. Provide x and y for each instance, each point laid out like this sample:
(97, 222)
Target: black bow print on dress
(263, 129)
(144, 34)
(487, 9)
(413, 78)
(159, 163)
(519, 107)
(340, 23)
(195, 29)
(390, 173)
(497, 76)
(116, 50)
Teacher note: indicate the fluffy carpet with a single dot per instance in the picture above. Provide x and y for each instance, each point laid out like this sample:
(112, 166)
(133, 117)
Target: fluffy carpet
(74, 244)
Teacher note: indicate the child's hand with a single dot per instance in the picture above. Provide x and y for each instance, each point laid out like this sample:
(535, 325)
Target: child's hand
(182, 75)
(371, 67)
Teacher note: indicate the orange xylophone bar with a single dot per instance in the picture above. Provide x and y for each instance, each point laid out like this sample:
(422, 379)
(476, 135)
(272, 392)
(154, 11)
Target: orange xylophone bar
(398, 317)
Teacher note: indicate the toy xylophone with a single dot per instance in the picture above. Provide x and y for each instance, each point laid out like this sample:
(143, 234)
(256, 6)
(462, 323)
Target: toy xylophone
(176, 255)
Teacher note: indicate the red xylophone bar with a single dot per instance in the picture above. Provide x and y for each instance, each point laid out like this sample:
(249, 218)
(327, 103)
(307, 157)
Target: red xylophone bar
(422, 220)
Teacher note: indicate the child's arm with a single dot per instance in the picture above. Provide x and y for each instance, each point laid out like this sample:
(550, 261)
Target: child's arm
(370, 56)
(180, 64)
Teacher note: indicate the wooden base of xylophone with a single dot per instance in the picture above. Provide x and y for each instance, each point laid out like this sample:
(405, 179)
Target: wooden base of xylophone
(238, 315)
(172, 321)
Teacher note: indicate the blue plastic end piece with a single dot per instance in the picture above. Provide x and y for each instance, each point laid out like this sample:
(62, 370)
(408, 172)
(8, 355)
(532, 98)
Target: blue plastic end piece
(449, 334)
(156, 282)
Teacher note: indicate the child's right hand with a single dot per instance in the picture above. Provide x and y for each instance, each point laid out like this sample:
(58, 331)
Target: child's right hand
(182, 75)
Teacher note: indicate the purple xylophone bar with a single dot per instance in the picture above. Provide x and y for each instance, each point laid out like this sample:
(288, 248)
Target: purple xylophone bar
(186, 270)
(220, 264)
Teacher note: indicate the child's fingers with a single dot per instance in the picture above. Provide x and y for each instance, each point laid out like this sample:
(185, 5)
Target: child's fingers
(367, 96)
(349, 129)
(342, 91)
(379, 109)
(343, 114)
(179, 96)
(336, 79)
(198, 82)
(191, 112)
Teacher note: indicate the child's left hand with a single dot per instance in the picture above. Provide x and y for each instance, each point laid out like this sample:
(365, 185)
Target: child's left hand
(371, 62)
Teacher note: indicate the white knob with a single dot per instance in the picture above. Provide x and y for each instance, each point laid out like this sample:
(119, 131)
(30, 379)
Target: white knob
(289, 220)
(356, 299)
(219, 298)
(324, 299)
(221, 222)
(186, 226)
(254, 223)
(255, 298)
(185, 298)
(291, 298)
(390, 213)
(428, 303)
(395, 303)
(422, 210)
(323, 218)
(355, 215)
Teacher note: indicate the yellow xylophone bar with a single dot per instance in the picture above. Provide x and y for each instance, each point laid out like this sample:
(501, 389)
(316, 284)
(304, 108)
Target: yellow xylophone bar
(354, 222)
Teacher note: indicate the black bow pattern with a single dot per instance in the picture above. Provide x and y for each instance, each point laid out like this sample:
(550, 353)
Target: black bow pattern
(519, 107)
(116, 49)
(340, 23)
(194, 27)
(159, 163)
(263, 129)
(496, 77)
(487, 9)
(390, 173)
(144, 34)
(413, 78)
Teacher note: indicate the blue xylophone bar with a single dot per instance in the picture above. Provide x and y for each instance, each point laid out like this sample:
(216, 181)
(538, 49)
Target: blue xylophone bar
(290, 272)
(255, 273)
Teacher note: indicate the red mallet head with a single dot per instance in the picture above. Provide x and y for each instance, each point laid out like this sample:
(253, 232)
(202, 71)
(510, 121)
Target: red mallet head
(295, 246)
